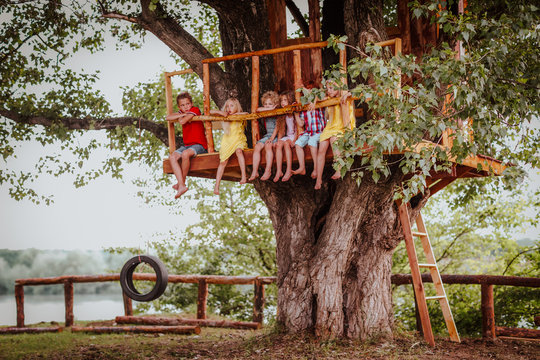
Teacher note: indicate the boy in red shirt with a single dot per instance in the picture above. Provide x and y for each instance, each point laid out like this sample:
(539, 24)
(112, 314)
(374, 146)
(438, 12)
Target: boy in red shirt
(194, 140)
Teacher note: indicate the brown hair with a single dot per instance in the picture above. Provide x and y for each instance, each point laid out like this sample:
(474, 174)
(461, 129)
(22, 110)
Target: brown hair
(281, 124)
(272, 95)
(184, 95)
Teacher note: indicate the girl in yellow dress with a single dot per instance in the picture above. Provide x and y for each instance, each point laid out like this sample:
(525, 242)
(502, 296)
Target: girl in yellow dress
(233, 141)
(340, 118)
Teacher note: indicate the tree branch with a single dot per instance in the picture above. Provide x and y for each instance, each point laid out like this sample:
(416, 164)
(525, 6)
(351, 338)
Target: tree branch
(298, 17)
(518, 255)
(158, 130)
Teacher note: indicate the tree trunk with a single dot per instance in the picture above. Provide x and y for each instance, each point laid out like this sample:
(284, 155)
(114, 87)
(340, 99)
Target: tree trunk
(334, 254)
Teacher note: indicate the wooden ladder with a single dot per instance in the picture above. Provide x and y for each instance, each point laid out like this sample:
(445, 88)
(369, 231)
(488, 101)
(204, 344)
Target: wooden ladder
(418, 285)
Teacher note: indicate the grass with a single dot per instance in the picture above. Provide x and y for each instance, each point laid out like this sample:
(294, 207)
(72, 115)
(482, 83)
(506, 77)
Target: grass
(215, 343)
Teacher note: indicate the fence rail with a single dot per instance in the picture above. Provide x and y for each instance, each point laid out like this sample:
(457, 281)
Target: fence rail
(486, 282)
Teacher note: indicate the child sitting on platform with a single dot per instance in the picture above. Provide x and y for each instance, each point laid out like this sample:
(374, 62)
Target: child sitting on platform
(340, 118)
(233, 141)
(313, 121)
(287, 136)
(270, 101)
(194, 140)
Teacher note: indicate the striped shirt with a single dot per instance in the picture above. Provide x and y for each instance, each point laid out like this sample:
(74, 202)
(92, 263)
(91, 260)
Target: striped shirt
(314, 121)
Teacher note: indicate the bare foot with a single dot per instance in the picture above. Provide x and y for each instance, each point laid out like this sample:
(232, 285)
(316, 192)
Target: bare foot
(318, 185)
(243, 180)
(313, 174)
(287, 176)
(337, 175)
(299, 171)
(253, 176)
(278, 175)
(216, 189)
(175, 186)
(181, 191)
(266, 175)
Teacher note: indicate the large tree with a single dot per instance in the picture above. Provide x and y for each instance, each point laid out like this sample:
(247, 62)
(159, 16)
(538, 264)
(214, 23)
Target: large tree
(335, 245)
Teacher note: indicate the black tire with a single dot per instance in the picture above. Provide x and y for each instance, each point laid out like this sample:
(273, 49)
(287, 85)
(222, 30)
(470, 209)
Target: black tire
(126, 278)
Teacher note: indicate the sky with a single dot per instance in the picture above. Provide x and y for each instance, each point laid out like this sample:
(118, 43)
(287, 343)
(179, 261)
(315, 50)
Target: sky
(107, 212)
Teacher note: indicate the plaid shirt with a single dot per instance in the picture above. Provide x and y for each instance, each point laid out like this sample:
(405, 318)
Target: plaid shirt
(314, 121)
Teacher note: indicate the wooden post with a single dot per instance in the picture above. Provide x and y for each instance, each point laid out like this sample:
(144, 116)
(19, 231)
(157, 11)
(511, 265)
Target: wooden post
(201, 299)
(418, 285)
(19, 300)
(258, 302)
(488, 312)
(343, 62)
(254, 98)
(68, 297)
(206, 93)
(297, 74)
(169, 102)
(128, 305)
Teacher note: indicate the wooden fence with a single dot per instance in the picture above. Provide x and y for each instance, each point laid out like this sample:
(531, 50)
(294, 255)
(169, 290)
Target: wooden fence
(486, 282)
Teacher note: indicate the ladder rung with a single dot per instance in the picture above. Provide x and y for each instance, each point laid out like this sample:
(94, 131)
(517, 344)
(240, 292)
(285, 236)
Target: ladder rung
(427, 265)
(415, 233)
(435, 297)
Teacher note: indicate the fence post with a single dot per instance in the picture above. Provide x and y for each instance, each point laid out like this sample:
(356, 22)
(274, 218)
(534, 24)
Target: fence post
(128, 305)
(201, 299)
(19, 300)
(488, 312)
(68, 297)
(258, 301)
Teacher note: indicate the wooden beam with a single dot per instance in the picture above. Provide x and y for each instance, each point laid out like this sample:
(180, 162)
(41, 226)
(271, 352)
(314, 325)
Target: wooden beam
(488, 312)
(179, 72)
(206, 94)
(169, 102)
(26, 330)
(19, 301)
(128, 304)
(202, 299)
(517, 332)
(297, 74)
(258, 302)
(138, 329)
(68, 299)
(171, 321)
(254, 98)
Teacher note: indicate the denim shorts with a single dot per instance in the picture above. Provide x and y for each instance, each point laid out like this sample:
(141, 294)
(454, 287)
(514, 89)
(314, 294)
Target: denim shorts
(198, 148)
(306, 139)
(267, 137)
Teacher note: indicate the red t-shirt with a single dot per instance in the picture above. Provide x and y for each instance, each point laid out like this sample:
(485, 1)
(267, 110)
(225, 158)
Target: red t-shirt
(193, 131)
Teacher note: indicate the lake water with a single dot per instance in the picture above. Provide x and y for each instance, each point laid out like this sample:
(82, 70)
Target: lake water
(51, 308)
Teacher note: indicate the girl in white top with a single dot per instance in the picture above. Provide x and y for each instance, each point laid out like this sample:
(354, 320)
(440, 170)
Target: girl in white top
(287, 136)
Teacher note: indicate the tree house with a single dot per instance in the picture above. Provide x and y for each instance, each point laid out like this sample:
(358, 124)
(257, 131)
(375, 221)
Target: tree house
(299, 60)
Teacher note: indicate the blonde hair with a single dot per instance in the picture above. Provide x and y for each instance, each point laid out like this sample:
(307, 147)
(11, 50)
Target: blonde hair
(272, 95)
(227, 124)
(281, 123)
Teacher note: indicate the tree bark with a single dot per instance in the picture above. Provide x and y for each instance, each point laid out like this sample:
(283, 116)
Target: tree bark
(334, 254)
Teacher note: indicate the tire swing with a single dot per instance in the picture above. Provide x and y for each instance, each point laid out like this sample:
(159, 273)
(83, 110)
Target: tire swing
(126, 278)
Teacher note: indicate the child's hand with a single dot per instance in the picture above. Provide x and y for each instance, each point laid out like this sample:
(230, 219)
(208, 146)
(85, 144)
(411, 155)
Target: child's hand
(345, 96)
(311, 106)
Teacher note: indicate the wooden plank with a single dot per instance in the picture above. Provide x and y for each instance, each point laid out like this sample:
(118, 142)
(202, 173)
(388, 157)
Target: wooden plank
(171, 321)
(206, 95)
(128, 304)
(179, 72)
(402, 279)
(19, 301)
(202, 299)
(138, 329)
(170, 124)
(416, 276)
(517, 332)
(68, 300)
(26, 330)
(258, 302)
(297, 74)
(254, 98)
(488, 312)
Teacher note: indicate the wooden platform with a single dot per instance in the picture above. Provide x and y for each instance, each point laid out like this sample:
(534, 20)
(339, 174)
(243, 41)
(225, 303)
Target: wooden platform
(205, 165)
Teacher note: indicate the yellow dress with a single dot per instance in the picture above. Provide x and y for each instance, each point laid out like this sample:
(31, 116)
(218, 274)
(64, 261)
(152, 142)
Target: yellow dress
(232, 140)
(334, 126)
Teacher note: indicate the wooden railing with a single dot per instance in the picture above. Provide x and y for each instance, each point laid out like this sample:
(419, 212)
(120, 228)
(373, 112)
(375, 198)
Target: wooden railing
(255, 71)
(486, 282)
(202, 280)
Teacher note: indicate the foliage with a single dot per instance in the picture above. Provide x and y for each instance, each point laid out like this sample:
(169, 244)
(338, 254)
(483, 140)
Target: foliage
(493, 90)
